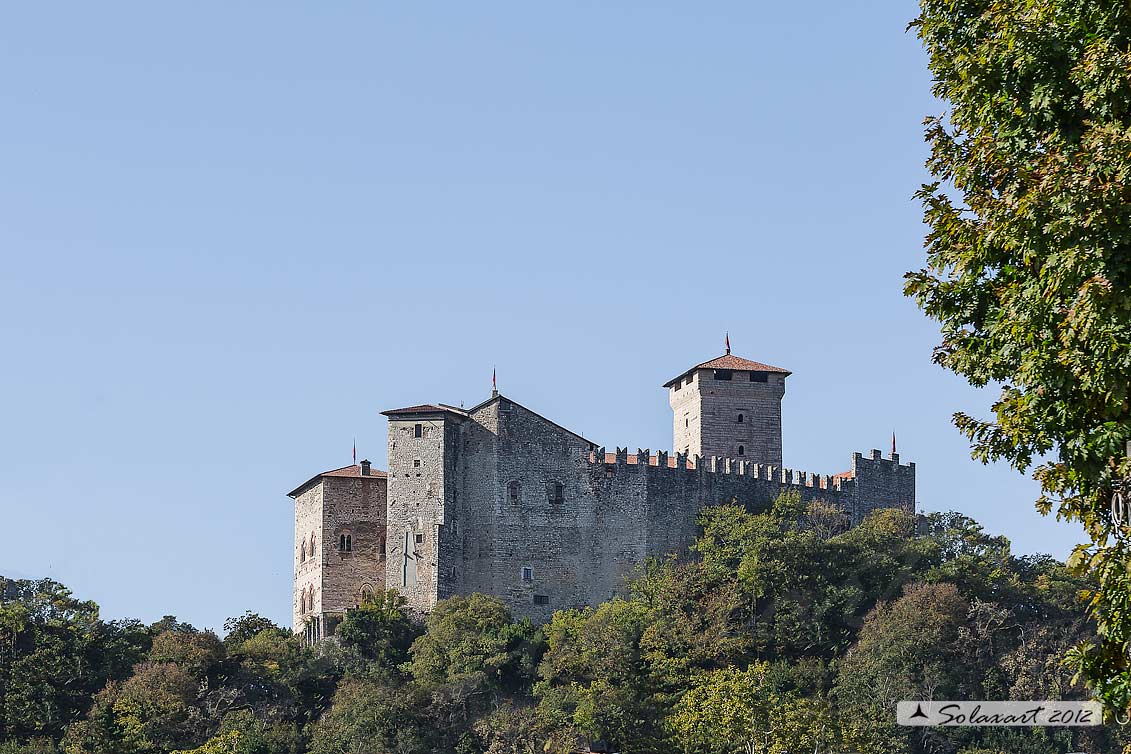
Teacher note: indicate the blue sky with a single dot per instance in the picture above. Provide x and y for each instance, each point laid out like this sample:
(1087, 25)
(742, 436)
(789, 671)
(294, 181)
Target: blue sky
(232, 234)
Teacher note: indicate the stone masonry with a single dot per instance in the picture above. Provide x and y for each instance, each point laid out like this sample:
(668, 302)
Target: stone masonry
(339, 549)
(501, 500)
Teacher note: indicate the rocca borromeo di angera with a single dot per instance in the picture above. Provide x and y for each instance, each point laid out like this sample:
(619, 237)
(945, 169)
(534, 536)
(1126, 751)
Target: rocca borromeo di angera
(501, 500)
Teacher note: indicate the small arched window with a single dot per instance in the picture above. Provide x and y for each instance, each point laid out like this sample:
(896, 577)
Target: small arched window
(740, 418)
(312, 550)
(345, 542)
(302, 552)
(741, 450)
(366, 594)
(556, 492)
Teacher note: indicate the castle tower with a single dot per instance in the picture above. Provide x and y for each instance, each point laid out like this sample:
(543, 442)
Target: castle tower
(339, 547)
(731, 407)
(423, 443)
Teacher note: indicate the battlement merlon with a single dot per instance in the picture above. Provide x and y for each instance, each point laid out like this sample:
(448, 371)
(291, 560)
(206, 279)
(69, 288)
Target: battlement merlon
(875, 481)
(882, 483)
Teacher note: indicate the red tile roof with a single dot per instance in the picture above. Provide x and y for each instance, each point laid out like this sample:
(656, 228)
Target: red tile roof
(729, 361)
(346, 471)
(425, 408)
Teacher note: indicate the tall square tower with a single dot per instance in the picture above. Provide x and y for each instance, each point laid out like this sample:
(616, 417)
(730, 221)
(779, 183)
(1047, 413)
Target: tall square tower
(730, 407)
(339, 554)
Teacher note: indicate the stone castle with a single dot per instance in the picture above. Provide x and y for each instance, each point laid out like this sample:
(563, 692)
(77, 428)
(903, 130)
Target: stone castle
(501, 500)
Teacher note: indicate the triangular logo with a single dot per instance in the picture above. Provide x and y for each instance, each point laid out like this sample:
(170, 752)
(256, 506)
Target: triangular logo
(919, 712)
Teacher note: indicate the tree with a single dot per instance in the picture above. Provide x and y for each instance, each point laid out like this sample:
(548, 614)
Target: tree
(905, 650)
(238, 630)
(197, 651)
(473, 652)
(152, 712)
(1029, 263)
(595, 679)
(379, 631)
(55, 653)
(727, 710)
(370, 718)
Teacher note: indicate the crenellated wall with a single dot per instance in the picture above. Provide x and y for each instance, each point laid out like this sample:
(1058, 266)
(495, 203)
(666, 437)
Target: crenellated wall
(881, 483)
(676, 488)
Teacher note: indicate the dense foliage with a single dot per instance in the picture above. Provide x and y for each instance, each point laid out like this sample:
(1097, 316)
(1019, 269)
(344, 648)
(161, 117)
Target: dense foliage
(1029, 263)
(778, 634)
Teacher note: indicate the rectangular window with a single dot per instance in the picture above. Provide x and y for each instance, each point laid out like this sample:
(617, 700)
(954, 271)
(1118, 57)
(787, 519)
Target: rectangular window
(723, 374)
(419, 539)
(541, 599)
(418, 430)
(527, 573)
(758, 376)
(416, 463)
(555, 492)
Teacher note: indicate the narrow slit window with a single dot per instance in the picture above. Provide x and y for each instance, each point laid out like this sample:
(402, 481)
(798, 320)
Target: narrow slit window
(514, 493)
(418, 430)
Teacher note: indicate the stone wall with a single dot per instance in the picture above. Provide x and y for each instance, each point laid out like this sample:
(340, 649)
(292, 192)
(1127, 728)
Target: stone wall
(353, 507)
(671, 492)
(419, 472)
(308, 565)
(706, 414)
(686, 406)
(881, 483)
(527, 527)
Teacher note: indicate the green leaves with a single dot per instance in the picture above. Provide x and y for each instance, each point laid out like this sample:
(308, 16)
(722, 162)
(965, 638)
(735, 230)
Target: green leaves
(1029, 248)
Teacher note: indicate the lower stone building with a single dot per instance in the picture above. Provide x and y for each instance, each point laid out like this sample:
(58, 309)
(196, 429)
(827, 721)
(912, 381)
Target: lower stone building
(501, 500)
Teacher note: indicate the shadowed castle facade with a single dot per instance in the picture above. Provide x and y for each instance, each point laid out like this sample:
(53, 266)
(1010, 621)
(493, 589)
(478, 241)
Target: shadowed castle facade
(501, 500)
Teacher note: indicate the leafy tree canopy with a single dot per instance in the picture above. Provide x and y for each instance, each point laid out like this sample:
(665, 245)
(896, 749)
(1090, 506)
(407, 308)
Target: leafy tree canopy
(1029, 262)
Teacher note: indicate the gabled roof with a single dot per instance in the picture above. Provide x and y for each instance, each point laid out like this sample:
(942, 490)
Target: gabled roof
(500, 397)
(346, 471)
(729, 361)
(426, 408)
